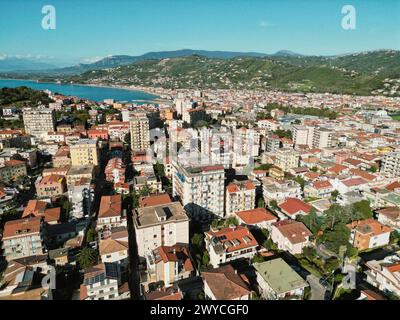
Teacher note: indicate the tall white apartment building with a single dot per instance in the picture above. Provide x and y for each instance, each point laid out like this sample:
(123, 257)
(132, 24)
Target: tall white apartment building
(201, 190)
(160, 225)
(39, 121)
(287, 158)
(81, 197)
(140, 131)
(322, 138)
(303, 135)
(391, 164)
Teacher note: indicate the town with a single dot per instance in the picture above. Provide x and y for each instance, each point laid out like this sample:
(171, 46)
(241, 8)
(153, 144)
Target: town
(204, 195)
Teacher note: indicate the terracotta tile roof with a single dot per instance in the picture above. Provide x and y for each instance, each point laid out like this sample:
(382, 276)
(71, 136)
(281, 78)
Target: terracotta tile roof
(110, 206)
(173, 254)
(353, 162)
(337, 168)
(240, 185)
(325, 184)
(363, 174)
(354, 182)
(390, 212)
(225, 283)
(255, 216)
(169, 293)
(371, 295)
(110, 245)
(394, 268)
(154, 200)
(393, 186)
(53, 214)
(15, 228)
(34, 207)
(240, 234)
(294, 231)
(51, 179)
(369, 226)
(293, 205)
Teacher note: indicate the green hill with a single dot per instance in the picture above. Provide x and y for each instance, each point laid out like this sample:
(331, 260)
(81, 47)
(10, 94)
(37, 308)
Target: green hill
(366, 73)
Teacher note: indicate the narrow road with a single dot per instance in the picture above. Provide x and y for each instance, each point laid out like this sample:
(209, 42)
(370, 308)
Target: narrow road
(317, 289)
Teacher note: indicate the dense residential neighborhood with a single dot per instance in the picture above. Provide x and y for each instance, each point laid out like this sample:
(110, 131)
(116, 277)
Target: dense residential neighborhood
(205, 195)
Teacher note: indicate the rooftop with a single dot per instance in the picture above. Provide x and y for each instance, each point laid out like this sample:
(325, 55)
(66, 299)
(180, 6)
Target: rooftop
(280, 276)
(163, 213)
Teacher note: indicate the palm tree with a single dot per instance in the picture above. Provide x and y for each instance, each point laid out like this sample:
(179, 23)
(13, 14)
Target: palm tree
(87, 257)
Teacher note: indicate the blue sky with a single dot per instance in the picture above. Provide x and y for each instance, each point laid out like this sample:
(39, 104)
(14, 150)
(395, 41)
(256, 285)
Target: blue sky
(90, 29)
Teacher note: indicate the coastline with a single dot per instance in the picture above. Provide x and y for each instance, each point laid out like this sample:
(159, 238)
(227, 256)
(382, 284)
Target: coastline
(150, 91)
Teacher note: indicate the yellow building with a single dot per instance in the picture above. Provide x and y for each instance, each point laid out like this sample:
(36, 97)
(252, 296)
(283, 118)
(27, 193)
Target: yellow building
(83, 152)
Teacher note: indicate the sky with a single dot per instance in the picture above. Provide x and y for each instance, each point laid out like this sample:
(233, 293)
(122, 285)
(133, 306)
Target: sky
(87, 30)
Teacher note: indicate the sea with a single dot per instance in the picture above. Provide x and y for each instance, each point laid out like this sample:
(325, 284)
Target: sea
(93, 93)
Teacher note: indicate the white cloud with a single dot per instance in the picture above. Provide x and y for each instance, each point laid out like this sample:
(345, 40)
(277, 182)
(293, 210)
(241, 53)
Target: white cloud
(93, 59)
(265, 24)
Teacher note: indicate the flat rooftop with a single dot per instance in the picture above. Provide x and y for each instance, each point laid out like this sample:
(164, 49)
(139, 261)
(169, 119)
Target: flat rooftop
(163, 213)
(79, 170)
(280, 276)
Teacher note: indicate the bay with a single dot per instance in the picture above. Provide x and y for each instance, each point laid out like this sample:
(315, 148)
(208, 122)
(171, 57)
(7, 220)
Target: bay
(86, 92)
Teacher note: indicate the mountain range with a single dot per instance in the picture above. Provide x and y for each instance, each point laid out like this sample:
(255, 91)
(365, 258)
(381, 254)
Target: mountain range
(32, 66)
(363, 73)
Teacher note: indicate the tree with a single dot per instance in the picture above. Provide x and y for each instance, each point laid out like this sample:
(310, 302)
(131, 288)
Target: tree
(273, 204)
(362, 210)
(231, 221)
(87, 257)
(91, 235)
(261, 203)
(206, 258)
(159, 170)
(334, 195)
(258, 258)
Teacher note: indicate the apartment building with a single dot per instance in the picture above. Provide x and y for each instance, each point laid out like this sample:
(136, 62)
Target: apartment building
(83, 152)
(322, 138)
(115, 170)
(240, 196)
(115, 252)
(369, 234)
(319, 189)
(279, 190)
(50, 186)
(385, 274)
(81, 197)
(224, 283)
(12, 169)
(39, 121)
(62, 157)
(201, 190)
(140, 131)
(23, 238)
(169, 264)
(160, 225)
(110, 213)
(290, 235)
(391, 164)
(100, 283)
(303, 135)
(76, 173)
(277, 280)
(287, 158)
(228, 244)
